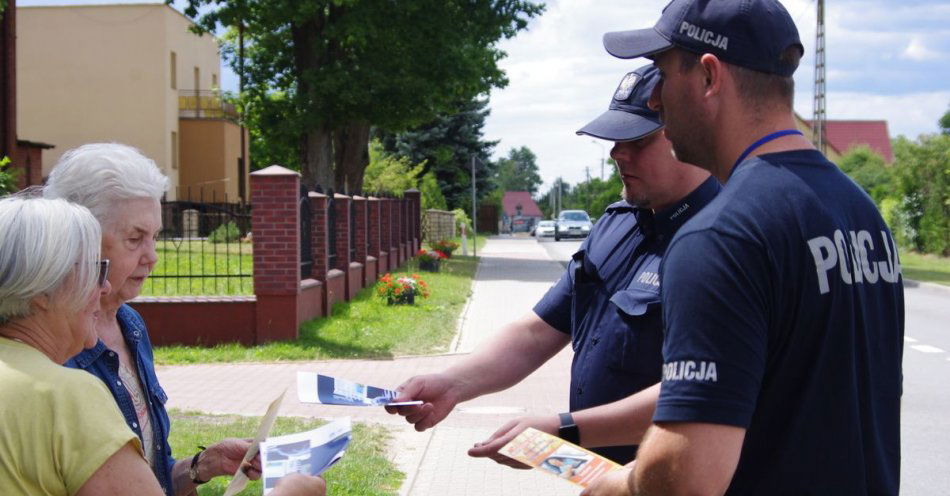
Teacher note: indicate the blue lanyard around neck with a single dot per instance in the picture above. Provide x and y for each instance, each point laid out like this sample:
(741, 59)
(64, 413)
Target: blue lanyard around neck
(761, 141)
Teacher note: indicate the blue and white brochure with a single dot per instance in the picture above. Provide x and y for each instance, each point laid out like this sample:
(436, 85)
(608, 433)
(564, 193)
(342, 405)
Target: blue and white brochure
(326, 390)
(309, 453)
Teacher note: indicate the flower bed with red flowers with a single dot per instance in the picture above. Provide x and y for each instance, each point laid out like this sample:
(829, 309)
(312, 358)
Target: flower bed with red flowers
(401, 291)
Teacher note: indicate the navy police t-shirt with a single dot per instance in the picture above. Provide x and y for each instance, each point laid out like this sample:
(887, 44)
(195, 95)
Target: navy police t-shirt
(790, 324)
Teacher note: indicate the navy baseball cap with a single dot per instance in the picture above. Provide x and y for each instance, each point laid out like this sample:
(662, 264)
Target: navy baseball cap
(748, 33)
(628, 117)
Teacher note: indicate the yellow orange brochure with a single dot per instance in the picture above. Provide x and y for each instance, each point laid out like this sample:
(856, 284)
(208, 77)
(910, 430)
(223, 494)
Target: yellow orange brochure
(557, 457)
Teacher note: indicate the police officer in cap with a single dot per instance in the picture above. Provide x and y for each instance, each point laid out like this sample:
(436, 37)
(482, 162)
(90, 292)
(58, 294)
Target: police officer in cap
(606, 305)
(782, 354)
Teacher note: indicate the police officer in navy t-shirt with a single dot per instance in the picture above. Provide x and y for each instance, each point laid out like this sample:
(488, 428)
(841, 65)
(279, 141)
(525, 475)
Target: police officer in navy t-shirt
(782, 355)
(606, 305)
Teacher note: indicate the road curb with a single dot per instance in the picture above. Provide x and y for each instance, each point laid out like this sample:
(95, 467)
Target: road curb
(931, 287)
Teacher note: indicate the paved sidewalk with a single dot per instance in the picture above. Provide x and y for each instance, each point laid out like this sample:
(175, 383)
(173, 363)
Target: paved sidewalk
(512, 275)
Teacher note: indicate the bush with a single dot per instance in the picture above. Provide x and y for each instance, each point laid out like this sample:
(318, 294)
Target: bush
(461, 218)
(8, 177)
(225, 233)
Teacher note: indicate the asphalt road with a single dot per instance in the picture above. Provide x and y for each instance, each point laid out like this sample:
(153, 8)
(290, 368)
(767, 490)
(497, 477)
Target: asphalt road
(925, 418)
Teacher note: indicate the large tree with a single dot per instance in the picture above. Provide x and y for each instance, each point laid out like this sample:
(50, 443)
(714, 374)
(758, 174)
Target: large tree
(342, 66)
(519, 171)
(447, 144)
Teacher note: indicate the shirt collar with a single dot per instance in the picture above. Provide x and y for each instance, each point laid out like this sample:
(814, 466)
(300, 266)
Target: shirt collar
(669, 220)
(130, 332)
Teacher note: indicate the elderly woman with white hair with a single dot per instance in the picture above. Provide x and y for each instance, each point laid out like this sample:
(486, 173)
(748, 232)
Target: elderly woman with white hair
(122, 188)
(61, 433)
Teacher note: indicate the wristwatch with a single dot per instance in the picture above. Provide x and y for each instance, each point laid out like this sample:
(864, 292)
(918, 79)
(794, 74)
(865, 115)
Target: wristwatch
(193, 471)
(568, 430)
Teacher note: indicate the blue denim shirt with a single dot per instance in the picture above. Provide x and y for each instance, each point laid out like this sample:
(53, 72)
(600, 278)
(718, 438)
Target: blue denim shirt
(104, 364)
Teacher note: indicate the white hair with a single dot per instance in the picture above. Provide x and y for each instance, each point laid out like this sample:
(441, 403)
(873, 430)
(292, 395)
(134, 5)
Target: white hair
(98, 175)
(47, 247)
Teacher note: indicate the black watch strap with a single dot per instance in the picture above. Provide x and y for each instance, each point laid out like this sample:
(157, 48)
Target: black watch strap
(193, 471)
(568, 430)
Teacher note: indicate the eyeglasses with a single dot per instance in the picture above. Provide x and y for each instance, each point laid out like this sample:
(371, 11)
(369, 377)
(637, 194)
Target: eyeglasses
(103, 272)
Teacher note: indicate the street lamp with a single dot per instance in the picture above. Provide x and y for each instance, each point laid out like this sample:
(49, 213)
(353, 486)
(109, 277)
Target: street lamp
(603, 156)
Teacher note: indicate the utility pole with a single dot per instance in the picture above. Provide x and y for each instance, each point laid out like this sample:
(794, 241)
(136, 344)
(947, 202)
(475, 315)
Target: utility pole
(819, 117)
(474, 214)
(559, 204)
(587, 195)
(603, 158)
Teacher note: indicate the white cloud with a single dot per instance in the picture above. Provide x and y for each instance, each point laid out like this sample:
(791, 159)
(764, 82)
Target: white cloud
(916, 50)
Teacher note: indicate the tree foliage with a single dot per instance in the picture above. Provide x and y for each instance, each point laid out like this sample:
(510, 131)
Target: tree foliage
(8, 177)
(447, 144)
(390, 174)
(519, 171)
(922, 184)
(868, 169)
(430, 194)
(591, 196)
(342, 66)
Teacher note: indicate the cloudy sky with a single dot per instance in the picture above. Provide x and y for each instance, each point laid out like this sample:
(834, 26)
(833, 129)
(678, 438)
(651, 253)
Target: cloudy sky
(886, 59)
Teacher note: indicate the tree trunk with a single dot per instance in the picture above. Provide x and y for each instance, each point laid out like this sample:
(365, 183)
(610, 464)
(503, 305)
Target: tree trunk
(351, 151)
(316, 158)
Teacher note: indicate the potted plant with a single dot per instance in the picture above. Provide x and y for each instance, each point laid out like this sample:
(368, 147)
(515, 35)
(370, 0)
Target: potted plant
(403, 290)
(446, 246)
(429, 260)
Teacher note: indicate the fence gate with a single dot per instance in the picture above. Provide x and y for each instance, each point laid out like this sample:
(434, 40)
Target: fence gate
(331, 230)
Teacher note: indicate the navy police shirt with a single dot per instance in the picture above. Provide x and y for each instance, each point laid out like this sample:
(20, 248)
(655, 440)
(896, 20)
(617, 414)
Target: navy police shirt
(784, 314)
(608, 301)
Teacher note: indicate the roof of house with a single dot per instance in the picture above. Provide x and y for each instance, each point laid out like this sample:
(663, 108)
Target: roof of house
(843, 135)
(512, 199)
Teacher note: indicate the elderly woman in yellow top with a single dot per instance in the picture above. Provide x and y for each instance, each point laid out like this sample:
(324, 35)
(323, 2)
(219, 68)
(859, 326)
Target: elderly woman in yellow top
(61, 433)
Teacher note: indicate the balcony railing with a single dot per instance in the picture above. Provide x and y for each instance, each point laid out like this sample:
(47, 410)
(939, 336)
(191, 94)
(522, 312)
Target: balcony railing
(205, 104)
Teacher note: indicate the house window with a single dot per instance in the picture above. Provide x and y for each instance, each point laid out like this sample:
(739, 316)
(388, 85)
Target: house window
(214, 81)
(174, 150)
(174, 68)
(197, 79)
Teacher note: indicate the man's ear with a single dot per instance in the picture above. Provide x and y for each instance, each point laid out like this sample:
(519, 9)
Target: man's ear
(713, 71)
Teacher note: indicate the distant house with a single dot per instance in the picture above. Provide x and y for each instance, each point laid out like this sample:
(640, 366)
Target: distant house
(134, 74)
(843, 135)
(519, 212)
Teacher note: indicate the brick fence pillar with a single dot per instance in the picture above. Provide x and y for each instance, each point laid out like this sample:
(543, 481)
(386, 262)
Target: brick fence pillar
(360, 218)
(415, 221)
(398, 234)
(275, 220)
(319, 246)
(385, 230)
(345, 261)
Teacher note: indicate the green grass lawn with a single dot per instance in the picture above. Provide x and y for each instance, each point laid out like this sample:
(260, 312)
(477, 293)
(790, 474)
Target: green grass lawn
(204, 258)
(364, 470)
(365, 327)
(926, 268)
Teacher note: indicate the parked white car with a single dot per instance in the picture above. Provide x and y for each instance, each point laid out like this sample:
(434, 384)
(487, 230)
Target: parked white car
(545, 228)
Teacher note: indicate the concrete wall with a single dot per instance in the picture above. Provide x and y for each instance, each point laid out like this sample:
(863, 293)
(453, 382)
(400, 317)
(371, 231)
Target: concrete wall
(103, 73)
(209, 155)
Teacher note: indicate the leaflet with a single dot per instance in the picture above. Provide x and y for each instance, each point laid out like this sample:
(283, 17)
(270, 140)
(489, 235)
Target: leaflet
(317, 388)
(239, 481)
(557, 457)
(310, 453)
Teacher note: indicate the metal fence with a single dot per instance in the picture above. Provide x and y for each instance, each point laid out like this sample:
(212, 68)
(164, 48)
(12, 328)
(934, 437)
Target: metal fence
(203, 249)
